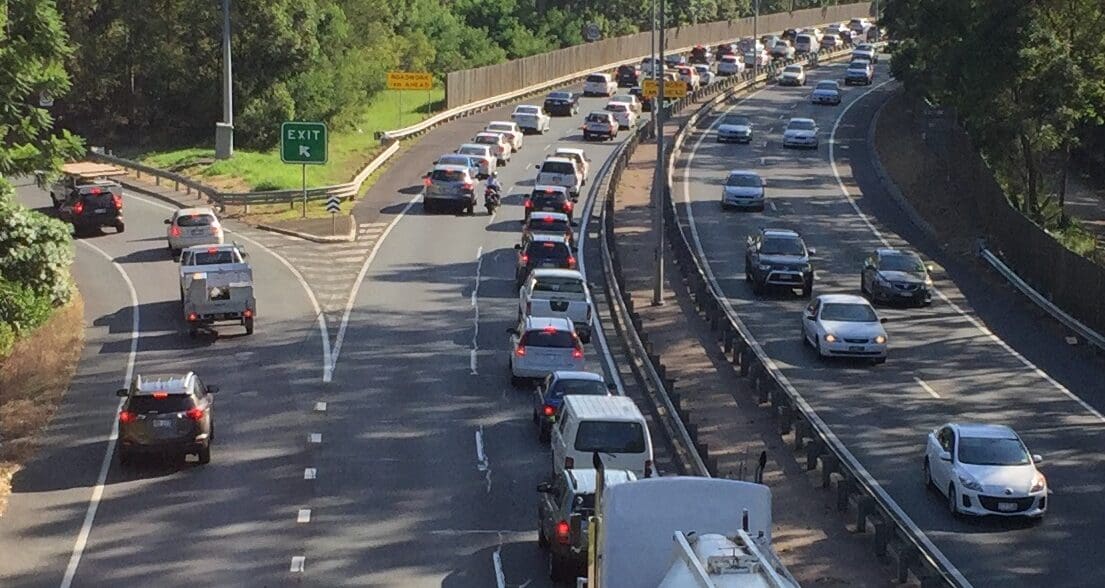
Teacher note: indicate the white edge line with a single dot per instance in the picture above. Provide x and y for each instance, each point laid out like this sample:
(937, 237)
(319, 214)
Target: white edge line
(786, 382)
(360, 279)
(105, 465)
(320, 319)
(481, 457)
(924, 385)
(497, 561)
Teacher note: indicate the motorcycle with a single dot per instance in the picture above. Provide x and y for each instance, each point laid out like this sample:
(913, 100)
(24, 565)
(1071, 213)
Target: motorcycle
(491, 200)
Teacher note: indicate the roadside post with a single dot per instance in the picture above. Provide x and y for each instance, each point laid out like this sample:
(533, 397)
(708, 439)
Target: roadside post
(303, 143)
(333, 206)
(407, 80)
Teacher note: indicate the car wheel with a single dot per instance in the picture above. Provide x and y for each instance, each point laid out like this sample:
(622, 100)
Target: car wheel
(544, 433)
(204, 455)
(953, 502)
(542, 541)
(120, 227)
(123, 456)
(927, 473)
(248, 325)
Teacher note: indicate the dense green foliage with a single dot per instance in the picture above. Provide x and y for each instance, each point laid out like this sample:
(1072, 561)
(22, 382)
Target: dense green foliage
(35, 250)
(1027, 79)
(148, 73)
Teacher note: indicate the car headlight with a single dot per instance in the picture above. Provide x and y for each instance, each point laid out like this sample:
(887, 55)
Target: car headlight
(765, 267)
(831, 338)
(970, 483)
(1039, 482)
(880, 339)
(928, 281)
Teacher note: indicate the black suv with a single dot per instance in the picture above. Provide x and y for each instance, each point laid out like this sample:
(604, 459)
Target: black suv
(167, 416)
(563, 507)
(541, 251)
(628, 76)
(561, 103)
(92, 205)
(778, 257)
(548, 199)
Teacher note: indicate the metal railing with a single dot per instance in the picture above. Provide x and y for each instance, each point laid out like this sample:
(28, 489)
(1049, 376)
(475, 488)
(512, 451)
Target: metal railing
(894, 531)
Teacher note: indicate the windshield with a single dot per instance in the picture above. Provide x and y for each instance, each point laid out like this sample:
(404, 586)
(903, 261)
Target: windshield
(526, 110)
(743, 181)
(865, 48)
(148, 404)
(782, 246)
(473, 150)
(992, 452)
(801, 125)
(557, 284)
(447, 175)
(794, 69)
(902, 263)
(737, 121)
(559, 96)
(827, 86)
(804, 39)
(195, 220)
(848, 313)
(549, 338)
(580, 387)
(610, 437)
(557, 167)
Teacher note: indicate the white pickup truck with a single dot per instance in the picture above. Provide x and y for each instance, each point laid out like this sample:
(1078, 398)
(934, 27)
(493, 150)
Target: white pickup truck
(557, 293)
(216, 285)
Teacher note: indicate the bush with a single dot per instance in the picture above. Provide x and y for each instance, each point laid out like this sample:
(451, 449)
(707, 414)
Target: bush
(35, 250)
(21, 309)
(7, 340)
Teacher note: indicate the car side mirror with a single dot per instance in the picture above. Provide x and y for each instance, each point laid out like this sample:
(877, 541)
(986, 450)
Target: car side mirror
(1037, 458)
(212, 389)
(122, 392)
(930, 267)
(544, 487)
(517, 247)
(537, 166)
(945, 456)
(812, 250)
(168, 222)
(882, 319)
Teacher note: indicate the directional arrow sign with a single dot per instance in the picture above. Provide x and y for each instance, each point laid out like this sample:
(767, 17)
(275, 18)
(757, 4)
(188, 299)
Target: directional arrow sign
(333, 204)
(303, 143)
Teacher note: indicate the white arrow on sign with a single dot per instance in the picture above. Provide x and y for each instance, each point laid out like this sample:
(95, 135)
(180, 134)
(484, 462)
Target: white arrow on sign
(333, 204)
(304, 151)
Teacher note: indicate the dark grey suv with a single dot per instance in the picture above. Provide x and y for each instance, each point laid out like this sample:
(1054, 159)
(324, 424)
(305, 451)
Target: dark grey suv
(778, 257)
(894, 275)
(168, 416)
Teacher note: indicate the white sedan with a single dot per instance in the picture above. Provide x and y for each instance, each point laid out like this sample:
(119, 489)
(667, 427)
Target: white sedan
(984, 470)
(623, 113)
(629, 99)
(531, 118)
(844, 325)
(511, 130)
(800, 132)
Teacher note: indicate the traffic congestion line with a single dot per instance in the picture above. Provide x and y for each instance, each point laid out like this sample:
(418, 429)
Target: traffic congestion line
(968, 317)
(113, 437)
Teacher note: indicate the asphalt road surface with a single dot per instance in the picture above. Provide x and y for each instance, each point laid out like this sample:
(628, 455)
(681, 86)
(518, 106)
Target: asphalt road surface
(977, 353)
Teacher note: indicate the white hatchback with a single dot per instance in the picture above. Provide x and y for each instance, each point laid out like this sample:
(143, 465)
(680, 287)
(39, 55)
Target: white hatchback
(510, 129)
(599, 84)
(189, 227)
(844, 325)
(623, 113)
(540, 346)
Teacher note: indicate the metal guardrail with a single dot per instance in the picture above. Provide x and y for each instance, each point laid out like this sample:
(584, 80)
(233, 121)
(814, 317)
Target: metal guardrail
(1093, 337)
(913, 551)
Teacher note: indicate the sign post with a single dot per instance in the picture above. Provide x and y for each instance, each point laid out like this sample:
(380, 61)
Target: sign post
(333, 206)
(303, 143)
(406, 80)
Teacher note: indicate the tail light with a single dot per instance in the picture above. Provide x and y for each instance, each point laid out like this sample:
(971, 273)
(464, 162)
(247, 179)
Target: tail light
(648, 468)
(548, 410)
(568, 206)
(248, 313)
(195, 414)
(577, 353)
(529, 203)
(214, 229)
(569, 463)
(95, 191)
(78, 208)
(467, 186)
(118, 200)
(192, 317)
(426, 181)
(571, 262)
(525, 259)
(175, 231)
(520, 351)
(126, 417)
(563, 533)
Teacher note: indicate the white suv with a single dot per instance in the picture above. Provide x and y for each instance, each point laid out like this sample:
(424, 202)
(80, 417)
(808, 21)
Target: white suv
(541, 346)
(600, 84)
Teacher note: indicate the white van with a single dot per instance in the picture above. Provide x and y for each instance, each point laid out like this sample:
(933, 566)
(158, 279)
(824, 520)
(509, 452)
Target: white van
(600, 84)
(806, 43)
(560, 171)
(610, 425)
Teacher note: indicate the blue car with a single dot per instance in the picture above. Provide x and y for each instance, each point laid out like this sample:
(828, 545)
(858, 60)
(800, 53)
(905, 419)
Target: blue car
(550, 394)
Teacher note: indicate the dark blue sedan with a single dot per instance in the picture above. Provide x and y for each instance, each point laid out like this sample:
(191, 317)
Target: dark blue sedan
(549, 395)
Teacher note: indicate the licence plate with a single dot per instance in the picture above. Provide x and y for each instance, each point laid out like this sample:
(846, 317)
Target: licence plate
(549, 264)
(99, 211)
(1007, 506)
(161, 424)
(855, 348)
(906, 294)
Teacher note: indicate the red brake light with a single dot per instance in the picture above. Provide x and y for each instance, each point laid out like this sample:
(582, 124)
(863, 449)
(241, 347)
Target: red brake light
(175, 231)
(196, 413)
(569, 463)
(548, 190)
(467, 186)
(426, 181)
(529, 203)
(193, 316)
(160, 395)
(127, 416)
(567, 206)
(577, 353)
(548, 410)
(563, 533)
(549, 329)
(78, 207)
(212, 250)
(525, 258)
(549, 244)
(520, 351)
(547, 219)
(95, 191)
(118, 200)
(571, 262)
(248, 313)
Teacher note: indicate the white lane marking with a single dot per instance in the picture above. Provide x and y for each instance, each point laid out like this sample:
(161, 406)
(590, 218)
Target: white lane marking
(548, 146)
(476, 314)
(299, 562)
(527, 166)
(924, 385)
(310, 473)
(320, 407)
(320, 319)
(360, 280)
(785, 382)
(497, 561)
(315, 438)
(771, 203)
(482, 463)
(304, 516)
(981, 328)
(113, 436)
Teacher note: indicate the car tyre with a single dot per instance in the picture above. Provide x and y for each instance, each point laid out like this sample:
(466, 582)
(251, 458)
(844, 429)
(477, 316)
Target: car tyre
(120, 227)
(542, 541)
(544, 434)
(248, 323)
(927, 473)
(953, 502)
(204, 455)
(123, 456)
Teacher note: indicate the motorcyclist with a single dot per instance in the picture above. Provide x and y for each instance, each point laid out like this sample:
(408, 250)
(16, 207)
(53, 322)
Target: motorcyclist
(494, 188)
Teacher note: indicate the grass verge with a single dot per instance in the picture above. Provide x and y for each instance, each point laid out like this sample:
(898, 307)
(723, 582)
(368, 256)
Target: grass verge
(349, 150)
(32, 384)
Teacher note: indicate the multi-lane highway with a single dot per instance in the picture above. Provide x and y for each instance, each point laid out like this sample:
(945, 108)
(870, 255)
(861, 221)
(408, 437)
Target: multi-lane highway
(977, 353)
(419, 469)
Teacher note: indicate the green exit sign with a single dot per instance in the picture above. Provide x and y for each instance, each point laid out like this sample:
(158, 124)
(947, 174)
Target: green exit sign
(303, 142)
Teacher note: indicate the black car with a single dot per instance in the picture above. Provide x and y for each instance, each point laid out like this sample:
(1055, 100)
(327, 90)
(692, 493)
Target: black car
(790, 34)
(700, 54)
(778, 257)
(561, 103)
(168, 416)
(894, 275)
(548, 199)
(91, 206)
(628, 76)
(542, 251)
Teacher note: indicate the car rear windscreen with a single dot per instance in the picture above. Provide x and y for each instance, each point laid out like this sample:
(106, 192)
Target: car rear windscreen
(558, 284)
(557, 167)
(543, 200)
(610, 437)
(194, 220)
(216, 257)
(579, 387)
(542, 251)
(559, 96)
(597, 79)
(447, 175)
(554, 338)
(548, 225)
(171, 403)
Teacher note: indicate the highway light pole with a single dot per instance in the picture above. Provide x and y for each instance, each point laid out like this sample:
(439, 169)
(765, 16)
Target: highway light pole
(659, 181)
(224, 131)
(755, 39)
